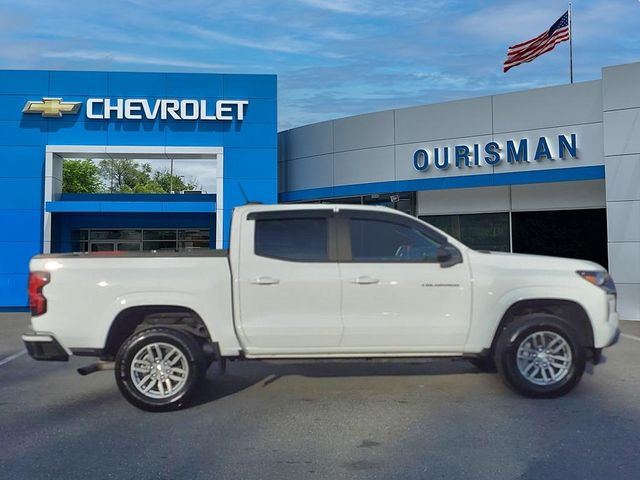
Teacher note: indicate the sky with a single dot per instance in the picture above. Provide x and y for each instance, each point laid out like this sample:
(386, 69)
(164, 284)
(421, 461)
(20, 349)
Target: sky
(333, 58)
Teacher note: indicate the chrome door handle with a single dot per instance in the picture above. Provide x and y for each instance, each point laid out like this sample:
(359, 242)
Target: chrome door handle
(265, 281)
(365, 280)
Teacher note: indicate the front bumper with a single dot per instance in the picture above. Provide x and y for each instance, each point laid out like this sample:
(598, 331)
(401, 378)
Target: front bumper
(44, 347)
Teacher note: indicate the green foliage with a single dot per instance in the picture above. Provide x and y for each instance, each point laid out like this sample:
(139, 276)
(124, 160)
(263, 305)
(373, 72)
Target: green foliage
(128, 176)
(80, 176)
(120, 176)
(168, 182)
(123, 176)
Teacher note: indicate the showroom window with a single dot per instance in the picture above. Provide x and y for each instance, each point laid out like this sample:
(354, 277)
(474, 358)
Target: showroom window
(380, 241)
(480, 231)
(403, 201)
(296, 239)
(111, 240)
(562, 233)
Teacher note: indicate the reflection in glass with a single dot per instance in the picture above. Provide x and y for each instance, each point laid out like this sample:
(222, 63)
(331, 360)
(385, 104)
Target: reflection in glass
(131, 175)
(480, 231)
(135, 239)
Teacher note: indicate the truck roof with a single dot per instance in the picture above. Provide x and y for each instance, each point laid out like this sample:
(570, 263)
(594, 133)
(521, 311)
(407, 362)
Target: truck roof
(256, 207)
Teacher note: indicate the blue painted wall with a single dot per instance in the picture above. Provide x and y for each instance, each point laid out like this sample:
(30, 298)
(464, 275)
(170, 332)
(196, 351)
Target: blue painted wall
(250, 156)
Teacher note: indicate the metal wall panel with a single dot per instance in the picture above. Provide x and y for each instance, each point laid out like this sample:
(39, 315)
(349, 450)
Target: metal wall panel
(316, 139)
(623, 221)
(363, 131)
(622, 132)
(624, 263)
(621, 87)
(548, 107)
(363, 166)
(309, 172)
(558, 196)
(621, 102)
(463, 118)
(622, 177)
(463, 200)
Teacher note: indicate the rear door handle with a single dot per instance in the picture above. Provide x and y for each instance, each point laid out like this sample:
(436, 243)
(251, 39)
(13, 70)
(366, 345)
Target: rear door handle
(365, 280)
(265, 281)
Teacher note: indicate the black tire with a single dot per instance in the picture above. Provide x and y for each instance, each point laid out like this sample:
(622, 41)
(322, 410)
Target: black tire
(484, 364)
(192, 365)
(516, 333)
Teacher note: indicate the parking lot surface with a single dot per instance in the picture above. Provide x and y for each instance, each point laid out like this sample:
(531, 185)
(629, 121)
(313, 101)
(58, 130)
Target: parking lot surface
(292, 420)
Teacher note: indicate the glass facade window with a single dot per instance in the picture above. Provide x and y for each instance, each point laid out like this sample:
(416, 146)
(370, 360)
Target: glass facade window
(404, 201)
(562, 233)
(130, 175)
(102, 240)
(480, 231)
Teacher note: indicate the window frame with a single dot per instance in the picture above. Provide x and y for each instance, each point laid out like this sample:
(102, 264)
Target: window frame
(299, 214)
(344, 234)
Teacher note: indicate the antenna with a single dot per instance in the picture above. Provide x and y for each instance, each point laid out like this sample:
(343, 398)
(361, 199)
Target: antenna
(244, 194)
(246, 199)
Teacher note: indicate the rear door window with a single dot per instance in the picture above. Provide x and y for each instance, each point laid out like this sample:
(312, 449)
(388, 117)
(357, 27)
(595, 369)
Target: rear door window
(294, 239)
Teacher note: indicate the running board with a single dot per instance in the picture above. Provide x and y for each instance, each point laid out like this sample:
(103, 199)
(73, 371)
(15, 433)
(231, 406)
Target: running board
(96, 367)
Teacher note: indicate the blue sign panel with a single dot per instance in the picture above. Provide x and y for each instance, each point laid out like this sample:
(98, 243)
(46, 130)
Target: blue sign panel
(237, 113)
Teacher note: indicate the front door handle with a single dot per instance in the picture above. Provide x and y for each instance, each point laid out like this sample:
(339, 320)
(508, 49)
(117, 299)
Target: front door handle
(365, 280)
(265, 281)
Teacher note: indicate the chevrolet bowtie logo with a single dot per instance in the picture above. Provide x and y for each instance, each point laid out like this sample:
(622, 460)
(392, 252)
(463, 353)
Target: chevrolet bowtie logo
(52, 107)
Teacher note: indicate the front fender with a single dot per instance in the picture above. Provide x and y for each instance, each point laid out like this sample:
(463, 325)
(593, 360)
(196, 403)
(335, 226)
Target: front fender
(489, 311)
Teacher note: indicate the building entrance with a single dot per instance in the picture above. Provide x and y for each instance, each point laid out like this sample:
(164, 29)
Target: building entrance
(562, 233)
(134, 240)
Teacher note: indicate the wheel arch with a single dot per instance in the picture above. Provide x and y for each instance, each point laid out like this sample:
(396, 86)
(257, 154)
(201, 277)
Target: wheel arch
(568, 311)
(136, 318)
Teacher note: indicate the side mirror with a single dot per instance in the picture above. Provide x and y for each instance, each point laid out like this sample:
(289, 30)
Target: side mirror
(443, 255)
(448, 256)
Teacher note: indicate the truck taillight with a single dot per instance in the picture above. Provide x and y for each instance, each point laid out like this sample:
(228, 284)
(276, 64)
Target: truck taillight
(37, 301)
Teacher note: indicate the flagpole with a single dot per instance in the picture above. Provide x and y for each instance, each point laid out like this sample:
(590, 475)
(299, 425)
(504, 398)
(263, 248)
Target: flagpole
(570, 45)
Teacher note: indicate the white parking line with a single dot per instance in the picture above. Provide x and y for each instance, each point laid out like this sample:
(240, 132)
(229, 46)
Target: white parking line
(630, 337)
(12, 357)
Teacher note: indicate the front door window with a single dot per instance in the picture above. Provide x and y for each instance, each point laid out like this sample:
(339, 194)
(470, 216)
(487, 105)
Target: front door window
(385, 241)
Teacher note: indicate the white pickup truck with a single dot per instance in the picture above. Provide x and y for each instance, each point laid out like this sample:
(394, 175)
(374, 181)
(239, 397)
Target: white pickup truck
(320, 281)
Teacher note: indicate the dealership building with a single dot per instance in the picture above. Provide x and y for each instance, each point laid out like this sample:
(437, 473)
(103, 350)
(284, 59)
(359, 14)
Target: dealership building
(552, 171)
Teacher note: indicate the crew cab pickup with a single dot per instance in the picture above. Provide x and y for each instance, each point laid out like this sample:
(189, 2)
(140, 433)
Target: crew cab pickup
(320, 281)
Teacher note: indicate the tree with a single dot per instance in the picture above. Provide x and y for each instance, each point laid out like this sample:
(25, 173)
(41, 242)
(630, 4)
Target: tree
(124, 175)
(129, 176)
(174, 183)
(80, 176)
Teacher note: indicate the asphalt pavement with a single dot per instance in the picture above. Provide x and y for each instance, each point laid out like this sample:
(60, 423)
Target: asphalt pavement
(436, 419)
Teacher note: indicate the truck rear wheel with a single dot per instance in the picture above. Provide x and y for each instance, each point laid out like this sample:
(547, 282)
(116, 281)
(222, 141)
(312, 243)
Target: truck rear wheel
(159, 369)
(539, 355)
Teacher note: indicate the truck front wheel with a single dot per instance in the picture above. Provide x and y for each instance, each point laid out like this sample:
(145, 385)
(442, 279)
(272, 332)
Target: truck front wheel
(539, 355)
(159, 369)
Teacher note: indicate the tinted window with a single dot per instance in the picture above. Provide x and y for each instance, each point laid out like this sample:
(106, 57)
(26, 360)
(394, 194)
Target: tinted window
(300, 239)
(380, 241)
(481, 231)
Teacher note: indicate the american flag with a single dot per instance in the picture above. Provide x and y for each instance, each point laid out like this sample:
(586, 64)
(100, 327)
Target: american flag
(546, 41)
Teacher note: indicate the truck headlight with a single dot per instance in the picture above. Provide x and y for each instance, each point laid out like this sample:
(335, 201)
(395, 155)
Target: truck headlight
(600, 279)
